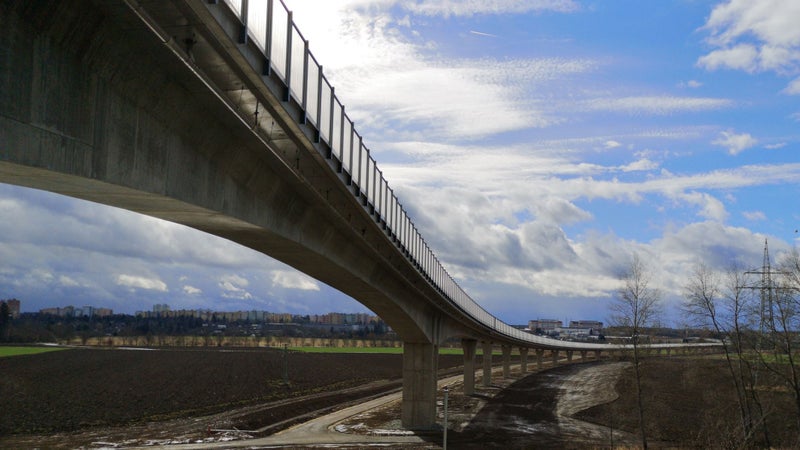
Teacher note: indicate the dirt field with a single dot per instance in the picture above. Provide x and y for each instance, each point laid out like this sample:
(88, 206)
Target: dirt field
(690, 403)
(80, 388)
(83, 397)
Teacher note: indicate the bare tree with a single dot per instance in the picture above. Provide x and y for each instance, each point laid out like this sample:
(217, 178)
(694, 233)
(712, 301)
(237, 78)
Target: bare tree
(780, 337)
(717, 302)
(636, 307)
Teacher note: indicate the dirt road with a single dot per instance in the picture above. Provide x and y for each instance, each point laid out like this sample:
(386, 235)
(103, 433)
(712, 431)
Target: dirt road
(509, 413)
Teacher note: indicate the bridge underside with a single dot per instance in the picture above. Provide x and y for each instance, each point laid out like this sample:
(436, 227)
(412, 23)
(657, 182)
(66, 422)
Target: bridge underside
(99, 103)
(94, 106)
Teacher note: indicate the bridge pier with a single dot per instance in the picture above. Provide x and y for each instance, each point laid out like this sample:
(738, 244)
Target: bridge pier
(597, 354)
(506, 361)
(583, 355)
(420, 362)
(539, 358)
(523, 360)
(469, 346)
(569, 355)
(555, 357)
(487, 363)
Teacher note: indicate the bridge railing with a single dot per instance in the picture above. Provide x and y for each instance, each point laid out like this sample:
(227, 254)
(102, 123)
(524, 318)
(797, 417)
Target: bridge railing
(269, 24)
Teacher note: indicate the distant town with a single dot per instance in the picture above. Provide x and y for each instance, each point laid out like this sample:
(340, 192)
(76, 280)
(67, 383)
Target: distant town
(83, 323)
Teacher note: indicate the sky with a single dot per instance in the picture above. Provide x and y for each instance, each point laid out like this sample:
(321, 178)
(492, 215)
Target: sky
(537, 145)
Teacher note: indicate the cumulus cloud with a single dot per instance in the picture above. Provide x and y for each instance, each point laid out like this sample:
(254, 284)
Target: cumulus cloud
(793, 88)
(735, 143)
(293, 280)
(191, 290)
(643, 164)
(141, 282)
(755, 37)
(710, 207)
(742, 57)
(234, 286)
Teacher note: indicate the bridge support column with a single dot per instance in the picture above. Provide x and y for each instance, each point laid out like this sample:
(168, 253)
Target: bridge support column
(506, 361)
(419, 385)
(569, 355)
(487, 363)
(555, 357)
(597, 354)
(469, 346)
(583, 355)
(523, 360)
(539, 358)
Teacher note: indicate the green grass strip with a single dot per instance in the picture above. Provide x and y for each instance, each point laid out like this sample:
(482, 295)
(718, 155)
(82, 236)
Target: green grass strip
(377, 350)
(17, 351)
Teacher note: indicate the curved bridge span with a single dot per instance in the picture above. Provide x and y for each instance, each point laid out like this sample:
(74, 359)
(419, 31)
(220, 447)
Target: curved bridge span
(214, 114)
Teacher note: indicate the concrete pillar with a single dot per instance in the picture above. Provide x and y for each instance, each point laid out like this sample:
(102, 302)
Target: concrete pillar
(487, 363)
(583, 355)
(469, 346)
(539, 358)
(419, 385)
(523, 360)
(597, 354)
(506, 361)
(555, 357)
(569, 355)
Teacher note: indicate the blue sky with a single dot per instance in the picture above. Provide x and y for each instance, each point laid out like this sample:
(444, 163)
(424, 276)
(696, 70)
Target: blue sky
(537, 145)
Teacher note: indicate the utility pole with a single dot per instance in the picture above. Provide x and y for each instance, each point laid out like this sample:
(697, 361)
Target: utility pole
(768, 291)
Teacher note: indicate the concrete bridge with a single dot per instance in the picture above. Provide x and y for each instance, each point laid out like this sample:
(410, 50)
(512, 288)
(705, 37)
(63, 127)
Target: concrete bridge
(215, 115)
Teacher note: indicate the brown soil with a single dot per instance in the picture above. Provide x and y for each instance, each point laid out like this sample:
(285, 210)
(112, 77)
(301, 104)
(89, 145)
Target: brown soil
(690, 402)
(65, 392)
(86, 397)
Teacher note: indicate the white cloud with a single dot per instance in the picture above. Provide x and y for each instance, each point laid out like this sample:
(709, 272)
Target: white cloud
(657, 105)
(139, 282)
(293, 280)
(191, 290)
(693, 84)
(754, 215)
(771, 21)
(775, 146)
(742, 57)
(233, 286)
(67, 281)
(755, 36)
(403, 86)
(735, 143)
(472, 7)
(793, 88)
(643, 164)
(611, 144)
(710, 207)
